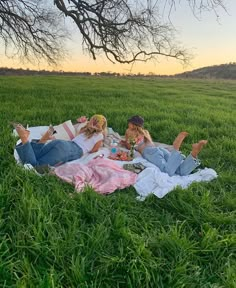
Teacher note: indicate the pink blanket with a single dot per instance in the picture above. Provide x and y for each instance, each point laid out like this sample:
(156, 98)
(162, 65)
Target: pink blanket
(103, 175)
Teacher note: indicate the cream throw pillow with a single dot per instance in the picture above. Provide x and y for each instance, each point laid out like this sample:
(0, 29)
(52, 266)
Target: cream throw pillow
(65, 131)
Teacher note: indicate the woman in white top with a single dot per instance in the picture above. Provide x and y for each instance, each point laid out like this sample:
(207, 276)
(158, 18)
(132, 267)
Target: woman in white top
(56, 152)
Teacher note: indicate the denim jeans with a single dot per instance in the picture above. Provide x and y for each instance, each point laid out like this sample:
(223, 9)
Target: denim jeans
(170, 162)
(53, 153)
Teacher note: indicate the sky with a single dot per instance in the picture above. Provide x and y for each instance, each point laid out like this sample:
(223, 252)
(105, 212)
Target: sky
(212, 41)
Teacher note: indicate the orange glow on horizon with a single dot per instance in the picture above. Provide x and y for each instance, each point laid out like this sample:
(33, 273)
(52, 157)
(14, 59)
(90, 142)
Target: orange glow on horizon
(83, 63)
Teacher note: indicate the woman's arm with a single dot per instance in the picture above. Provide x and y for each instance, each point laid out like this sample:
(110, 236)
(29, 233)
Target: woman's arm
(96, 146)
(126, 141)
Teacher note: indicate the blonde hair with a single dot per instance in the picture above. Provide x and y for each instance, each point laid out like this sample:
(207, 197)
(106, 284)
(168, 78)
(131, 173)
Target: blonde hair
(143, 132)
(96, 124)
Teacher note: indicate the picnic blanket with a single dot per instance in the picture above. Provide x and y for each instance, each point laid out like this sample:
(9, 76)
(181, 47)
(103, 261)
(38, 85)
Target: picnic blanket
(150, 181)
(102, 174)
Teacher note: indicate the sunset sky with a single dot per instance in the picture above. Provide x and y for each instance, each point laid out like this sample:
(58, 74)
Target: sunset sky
(212, 42)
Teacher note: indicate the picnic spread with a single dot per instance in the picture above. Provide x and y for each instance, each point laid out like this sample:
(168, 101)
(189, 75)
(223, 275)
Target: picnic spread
(106, 172)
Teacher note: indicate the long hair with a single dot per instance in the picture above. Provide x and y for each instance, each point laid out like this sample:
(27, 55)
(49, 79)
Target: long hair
(143, 132)
(97, 124)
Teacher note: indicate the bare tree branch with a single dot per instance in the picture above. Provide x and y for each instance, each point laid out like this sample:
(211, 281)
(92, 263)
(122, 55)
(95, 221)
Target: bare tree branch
(124, 30)
(31, 30)
(128, 31)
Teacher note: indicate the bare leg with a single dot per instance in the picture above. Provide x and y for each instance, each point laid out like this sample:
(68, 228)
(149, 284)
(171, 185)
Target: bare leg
(179, 139)
(47, 135)
(197, 147)
(23, 133)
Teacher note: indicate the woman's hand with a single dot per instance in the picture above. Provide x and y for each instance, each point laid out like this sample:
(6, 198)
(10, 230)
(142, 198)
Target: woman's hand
(122, 142)
(82, 119)
(125, 144)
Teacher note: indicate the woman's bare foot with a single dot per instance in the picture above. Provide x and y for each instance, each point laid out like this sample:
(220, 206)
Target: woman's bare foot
(47, 135)
(179, 139)
(197, 147)
(22, 132)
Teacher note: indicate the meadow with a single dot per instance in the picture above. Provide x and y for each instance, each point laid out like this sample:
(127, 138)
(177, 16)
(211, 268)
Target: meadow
(186, 239)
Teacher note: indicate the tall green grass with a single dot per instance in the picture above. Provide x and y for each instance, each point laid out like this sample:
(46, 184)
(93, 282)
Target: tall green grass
(187, 239)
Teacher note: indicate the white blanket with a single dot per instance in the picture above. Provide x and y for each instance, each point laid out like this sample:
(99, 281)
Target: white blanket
(150, 181)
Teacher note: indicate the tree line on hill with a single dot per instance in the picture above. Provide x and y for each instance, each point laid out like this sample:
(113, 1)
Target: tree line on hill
(223, 71)
(19, 71)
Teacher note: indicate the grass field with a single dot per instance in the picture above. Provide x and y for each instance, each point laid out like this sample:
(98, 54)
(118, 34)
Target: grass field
(187, 239)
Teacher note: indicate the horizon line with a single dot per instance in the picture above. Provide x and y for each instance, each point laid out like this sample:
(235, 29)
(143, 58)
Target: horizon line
(109, 72)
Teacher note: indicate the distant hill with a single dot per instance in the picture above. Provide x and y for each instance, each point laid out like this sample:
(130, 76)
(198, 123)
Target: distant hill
(223, 71)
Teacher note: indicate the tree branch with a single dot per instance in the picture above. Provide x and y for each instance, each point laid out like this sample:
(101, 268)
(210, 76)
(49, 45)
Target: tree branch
(128, 31)
(31, 31)
(124, 30)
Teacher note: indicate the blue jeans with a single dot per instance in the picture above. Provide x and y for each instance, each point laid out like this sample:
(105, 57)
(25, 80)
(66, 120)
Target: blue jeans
(170, 162)
(53, 153)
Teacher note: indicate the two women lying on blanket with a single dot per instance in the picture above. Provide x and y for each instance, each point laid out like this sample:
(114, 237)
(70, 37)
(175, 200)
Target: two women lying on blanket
(90, 139)
(169, 162)
(56, 152)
